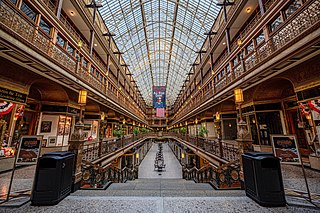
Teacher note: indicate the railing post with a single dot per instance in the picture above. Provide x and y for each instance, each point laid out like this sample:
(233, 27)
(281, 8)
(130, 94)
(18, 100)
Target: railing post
(100, 147)
(220, 147)
(76, 146)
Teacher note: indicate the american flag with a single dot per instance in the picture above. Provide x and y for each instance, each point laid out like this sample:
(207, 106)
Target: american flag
(160, 112)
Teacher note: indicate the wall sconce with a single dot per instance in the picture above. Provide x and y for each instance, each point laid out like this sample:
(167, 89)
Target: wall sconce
(239, 42)
(308, 116)
(137, 155)
(248, 10)
(218, 116)
(124, 121)
(102, 116)
(238, 95)
(196, 121)
(186, 123)
(82, 99)
(133, 123)
(182, 155)
(79, 44)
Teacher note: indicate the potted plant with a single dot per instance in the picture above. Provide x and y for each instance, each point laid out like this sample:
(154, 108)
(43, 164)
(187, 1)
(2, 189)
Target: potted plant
(202, 131)
(183, 130)
(118, 132)
(136, 131)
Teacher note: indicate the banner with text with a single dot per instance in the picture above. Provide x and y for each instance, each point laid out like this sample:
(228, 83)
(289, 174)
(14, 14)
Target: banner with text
(159, 97)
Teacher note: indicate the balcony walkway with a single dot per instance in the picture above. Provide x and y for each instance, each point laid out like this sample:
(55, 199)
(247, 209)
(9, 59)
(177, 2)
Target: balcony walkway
(173, 168)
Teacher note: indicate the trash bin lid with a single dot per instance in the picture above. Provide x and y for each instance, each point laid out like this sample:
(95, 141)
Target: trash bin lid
(257, 154)
(59, 154)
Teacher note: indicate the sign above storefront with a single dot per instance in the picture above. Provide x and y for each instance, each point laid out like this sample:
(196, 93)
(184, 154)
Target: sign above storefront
(12, 96)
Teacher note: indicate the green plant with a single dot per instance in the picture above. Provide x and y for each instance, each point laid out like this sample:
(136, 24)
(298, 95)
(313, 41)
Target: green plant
(145, 130)
(202, 131)
(136, 131)
(118, 131)
(183, 130)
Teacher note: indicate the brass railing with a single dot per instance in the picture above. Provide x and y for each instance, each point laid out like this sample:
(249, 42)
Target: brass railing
(295, 27)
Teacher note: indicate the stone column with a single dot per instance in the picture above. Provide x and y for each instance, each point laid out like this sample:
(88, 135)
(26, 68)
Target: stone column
(76, 146)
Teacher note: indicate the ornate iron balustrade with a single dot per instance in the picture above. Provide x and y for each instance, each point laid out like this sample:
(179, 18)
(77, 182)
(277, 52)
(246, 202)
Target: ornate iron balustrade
(95, 176)
(13, 22)
(226, 176)
(295, 27)
(225, 150)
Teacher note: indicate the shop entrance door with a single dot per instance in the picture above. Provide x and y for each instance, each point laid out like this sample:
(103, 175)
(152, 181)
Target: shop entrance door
(296, 127)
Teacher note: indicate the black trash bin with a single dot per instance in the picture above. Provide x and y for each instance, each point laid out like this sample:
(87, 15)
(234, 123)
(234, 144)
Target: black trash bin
(262, 178)
(53, 179)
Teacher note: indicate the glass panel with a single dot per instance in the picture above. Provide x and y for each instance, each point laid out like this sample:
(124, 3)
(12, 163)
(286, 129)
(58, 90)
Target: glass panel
(159, 38)
(14, 1)
(60, 41)
(250, 47)
(70, 49)
(276, 23)
(44, 26)
(260, 38)
(28, 11)
(293, 7)
(92, 70)
(235, 61)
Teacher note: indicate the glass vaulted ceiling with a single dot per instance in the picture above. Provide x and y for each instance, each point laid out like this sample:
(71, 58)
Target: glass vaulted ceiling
(159, 39)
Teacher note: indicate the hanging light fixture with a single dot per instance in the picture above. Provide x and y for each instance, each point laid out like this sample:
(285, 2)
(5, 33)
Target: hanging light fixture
(82, 99)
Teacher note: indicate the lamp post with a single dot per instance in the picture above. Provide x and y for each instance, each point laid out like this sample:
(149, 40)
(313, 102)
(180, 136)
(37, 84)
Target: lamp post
(243, 138)
(76, 142)
(217, 124)
(196, 122)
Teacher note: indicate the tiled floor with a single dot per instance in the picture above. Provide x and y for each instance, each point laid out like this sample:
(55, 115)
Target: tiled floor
(165, 193)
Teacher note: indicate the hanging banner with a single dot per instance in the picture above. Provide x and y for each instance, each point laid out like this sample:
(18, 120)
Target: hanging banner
(159, 96)
(29, 150)
(5, 107)
(285, 147)
(160, 112)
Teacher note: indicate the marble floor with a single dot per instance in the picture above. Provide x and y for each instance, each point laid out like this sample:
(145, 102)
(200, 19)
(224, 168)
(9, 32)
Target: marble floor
(165, 192)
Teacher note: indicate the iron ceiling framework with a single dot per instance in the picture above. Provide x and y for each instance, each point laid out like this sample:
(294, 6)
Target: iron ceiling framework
(159, 39)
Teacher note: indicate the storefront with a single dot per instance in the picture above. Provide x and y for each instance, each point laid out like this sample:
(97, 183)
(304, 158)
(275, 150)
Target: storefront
(12, 104)
(56, 124)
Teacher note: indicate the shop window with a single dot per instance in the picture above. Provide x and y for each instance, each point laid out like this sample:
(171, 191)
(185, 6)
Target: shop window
(222, 73)
(250, 48)
(70, 49)
(228, 68)
(84, 65)
(235, 61)
(26, 9)
(44, 26)
(60, 41)
(260, 38)
(276, 23)
(294, 6)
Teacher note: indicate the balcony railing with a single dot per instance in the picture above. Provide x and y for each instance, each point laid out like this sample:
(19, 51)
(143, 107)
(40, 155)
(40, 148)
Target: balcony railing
(294, 28)
(17, 25)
